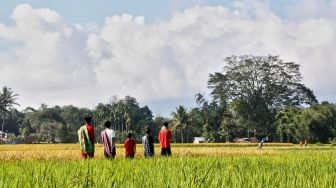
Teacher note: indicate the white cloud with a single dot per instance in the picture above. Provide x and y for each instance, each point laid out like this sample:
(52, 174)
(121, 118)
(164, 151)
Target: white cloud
(50, 64)
(302, 9)
(60, 63)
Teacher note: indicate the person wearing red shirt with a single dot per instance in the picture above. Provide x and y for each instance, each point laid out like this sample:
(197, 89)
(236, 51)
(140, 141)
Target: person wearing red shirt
(130, 146)
(164, 137)
(86, 138)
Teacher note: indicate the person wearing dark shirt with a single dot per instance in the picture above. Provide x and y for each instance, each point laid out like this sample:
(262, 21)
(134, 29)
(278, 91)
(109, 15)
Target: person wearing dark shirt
(148, 143)
(262, 141)
(130, 146)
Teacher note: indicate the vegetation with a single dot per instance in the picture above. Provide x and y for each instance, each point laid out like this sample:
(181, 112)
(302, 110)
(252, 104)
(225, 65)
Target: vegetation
(255, 96)
(7, 101)
(59, 124)
(311, 166)
(253, 88)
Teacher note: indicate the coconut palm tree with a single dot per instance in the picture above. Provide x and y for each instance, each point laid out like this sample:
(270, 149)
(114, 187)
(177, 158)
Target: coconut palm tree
(7, 101)
(180, 119)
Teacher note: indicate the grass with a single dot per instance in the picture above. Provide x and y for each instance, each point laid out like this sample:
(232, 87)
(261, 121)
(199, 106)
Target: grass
(60, 166)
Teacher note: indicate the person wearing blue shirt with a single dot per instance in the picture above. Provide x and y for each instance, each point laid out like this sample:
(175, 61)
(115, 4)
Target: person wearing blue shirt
(262, 141)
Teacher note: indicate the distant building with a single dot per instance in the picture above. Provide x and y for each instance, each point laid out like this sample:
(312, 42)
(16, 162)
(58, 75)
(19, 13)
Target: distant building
(6, 136)
(198, 140)
(3, 134)
(252, 139)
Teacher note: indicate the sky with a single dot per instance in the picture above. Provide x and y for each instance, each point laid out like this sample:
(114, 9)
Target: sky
(83, 52)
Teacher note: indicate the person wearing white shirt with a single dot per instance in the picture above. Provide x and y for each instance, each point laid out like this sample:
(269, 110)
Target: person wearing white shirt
(108, 140)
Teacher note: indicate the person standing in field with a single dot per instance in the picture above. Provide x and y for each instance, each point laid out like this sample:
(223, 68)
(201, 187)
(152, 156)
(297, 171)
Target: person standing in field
(108, 140)
(148, 143)
(262, 141)
(130, 146)
(164, 137)
(86, 137)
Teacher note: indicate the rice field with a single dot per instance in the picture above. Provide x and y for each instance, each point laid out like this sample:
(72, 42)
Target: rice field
(203, 165)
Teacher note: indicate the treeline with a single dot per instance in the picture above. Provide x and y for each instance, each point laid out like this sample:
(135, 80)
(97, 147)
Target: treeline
(255, 96)
(60, 124)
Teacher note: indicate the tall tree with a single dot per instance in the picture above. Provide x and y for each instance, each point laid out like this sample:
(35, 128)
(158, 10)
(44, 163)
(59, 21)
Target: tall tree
(195, 122)
(261, 84)
(180, 119)
(13, 121)
(7, 100)
(321, 121)
(101, 114)
(290, 128)
(211, 115)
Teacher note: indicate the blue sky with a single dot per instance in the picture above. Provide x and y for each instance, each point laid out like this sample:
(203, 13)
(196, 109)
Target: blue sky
(88, 11)
(83, 52)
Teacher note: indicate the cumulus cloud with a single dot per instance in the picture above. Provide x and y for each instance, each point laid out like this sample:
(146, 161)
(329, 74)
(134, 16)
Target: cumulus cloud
(60, 63)
(50, 63)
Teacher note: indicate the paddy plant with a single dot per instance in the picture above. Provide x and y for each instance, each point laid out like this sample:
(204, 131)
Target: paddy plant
(289, 169)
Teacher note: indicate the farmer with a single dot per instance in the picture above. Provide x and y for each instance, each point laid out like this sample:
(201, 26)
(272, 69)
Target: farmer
(130, 146)
(262, 141)
(148, 143)
(108, 141)
(86, 138)
(164, 137)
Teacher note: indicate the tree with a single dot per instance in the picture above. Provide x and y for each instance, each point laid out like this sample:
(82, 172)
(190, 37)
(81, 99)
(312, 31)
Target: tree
(101, 114)
(211, 114)
(145, 119)
(180, 119)
(195, 123)
(13, 121)
(125, 114)
(43, 123)
(73, 117)
(62, 134)
(228, 126)
(321, 122)
(7, 101)
(157, 123)
(290, 125)
(262, 85)
(48, 131)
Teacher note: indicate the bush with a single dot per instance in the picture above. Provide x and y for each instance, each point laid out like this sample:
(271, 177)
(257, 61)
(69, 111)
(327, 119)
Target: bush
(332, 141)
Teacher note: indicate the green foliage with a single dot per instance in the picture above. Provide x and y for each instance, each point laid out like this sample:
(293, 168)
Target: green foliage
(63, 136)
(228, 126)
(332, 141)
(208, 133)
(180, 120)
(259, 85)
(210, 117)
(13, 121)
(50, 124)
(44, 115)
(321, 120)
(316, 123)
(254, 96)
(7, 100)
(288, 125)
